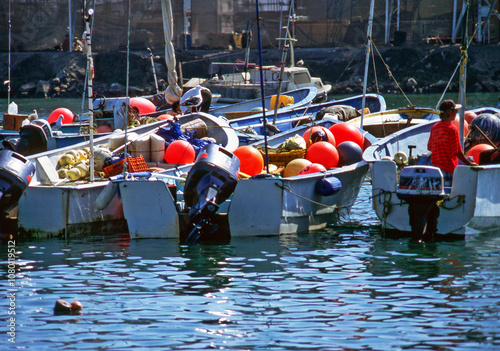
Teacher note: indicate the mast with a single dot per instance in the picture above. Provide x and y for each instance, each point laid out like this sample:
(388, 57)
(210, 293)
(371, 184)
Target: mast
(87, 47)
(367, 60)
(463, 70)
(264, 120)
(173, 92)
(10, 50)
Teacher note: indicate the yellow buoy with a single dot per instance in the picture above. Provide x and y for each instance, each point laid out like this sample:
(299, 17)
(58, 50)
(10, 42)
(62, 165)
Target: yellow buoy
(74, 174)
(67, 159)
(295, 166)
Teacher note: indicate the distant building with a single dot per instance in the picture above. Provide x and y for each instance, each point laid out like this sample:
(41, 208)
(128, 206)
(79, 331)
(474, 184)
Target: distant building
(43, 25)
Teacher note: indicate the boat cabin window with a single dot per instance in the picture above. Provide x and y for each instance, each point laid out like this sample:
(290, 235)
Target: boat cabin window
(301, 78)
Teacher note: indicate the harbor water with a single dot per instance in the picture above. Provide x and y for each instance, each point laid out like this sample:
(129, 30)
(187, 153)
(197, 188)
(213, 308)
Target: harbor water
(347, 287)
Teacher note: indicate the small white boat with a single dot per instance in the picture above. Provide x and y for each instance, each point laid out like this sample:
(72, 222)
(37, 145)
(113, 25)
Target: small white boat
(470, 206)
(54, 207)
(383, 123)
(266, 205)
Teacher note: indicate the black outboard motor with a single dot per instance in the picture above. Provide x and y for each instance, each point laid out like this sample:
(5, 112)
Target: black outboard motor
(15, 175)
(33, 138)
(422, 187)
(211, 181)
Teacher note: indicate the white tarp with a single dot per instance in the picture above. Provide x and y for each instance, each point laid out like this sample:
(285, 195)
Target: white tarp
(173, 92)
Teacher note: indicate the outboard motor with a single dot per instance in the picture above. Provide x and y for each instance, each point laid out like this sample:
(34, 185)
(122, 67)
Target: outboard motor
(422, 187)
(211, 181)
(34, 137)
(15, 175)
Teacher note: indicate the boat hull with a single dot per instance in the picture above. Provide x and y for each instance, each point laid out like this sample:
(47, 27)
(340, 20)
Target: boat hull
(291, 205)
(258, 206)
(472, 205)
(51, 207)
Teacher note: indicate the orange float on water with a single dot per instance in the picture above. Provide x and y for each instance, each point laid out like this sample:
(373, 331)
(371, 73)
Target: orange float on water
(313, 168)
(251, 160)
(68, 116)
(476, 150)
(323, 153)
(143, 105)
(179, 152)
(318, 133)
(346, 132)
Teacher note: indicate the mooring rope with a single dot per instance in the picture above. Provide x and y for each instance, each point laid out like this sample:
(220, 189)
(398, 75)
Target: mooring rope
(290, 190)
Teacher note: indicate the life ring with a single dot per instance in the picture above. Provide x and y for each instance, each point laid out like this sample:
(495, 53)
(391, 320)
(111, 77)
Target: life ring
(400, 158)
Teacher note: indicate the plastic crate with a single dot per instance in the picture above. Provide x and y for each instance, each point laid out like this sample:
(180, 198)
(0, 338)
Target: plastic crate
(136, 164)
(282, 158)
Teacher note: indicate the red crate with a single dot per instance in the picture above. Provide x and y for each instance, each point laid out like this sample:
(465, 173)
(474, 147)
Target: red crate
(133, 165)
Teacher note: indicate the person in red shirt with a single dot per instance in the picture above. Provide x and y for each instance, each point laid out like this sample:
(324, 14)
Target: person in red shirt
(444, 143)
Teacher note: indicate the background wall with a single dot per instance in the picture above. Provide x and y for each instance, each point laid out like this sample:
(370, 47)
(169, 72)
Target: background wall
(43, 24)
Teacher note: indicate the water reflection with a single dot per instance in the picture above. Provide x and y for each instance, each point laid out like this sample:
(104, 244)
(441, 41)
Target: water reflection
(341, 288)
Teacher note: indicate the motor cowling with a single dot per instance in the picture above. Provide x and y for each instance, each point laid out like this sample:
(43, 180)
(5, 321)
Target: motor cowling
(211, 181)
(33, 138)
(15, 175)
(422, 187)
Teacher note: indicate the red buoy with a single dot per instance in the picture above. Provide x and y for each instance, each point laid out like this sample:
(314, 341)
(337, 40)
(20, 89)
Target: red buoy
(68, 116)
(179, 152)
(143, 105)
(318, 133)
(312, 168)
(324, 153)
(476, 150)
(251, 160)
(346, 132)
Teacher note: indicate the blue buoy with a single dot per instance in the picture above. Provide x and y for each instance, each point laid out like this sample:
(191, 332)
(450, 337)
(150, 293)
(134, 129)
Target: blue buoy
(328, 186)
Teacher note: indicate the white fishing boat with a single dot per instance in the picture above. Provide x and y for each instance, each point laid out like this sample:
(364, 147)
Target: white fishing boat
(241, 80)
(261, 205)
(52, 206)
(383, 123)
(469, 206)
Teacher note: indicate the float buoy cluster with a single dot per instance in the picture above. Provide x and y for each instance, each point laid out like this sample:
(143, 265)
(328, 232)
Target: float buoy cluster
(323, 148)
(74, 164)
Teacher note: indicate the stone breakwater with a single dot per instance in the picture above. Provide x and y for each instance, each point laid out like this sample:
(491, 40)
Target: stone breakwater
(413, 69)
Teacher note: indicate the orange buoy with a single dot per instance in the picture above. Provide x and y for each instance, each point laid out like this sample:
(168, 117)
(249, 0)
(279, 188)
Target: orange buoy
(143, 105)
(469, 116)
(294, 167)
(476, 150)
(366, 143)
(165, 117)
(68, 116)
(324, 153)
(346, 132)
(251, 160)
(179, 152)
(318, 133)
(313, 168)
(104, 129)
(456, 123)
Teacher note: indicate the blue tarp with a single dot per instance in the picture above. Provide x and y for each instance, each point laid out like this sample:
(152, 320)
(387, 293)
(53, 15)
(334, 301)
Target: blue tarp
(173, 132)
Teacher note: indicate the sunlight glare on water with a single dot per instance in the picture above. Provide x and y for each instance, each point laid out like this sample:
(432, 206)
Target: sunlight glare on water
(333, 289)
